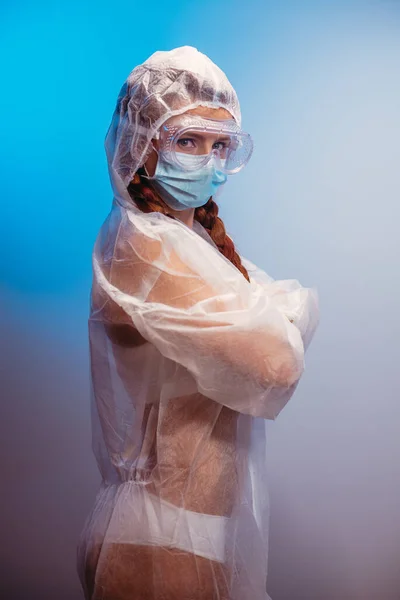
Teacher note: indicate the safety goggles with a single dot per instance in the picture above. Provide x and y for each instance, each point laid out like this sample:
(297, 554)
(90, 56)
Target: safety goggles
(208, 139)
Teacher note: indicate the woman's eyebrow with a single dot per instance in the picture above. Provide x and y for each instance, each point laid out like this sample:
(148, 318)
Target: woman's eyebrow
(197, 135)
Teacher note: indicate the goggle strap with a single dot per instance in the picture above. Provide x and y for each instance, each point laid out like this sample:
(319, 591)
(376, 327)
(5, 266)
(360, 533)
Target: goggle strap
(144, 131)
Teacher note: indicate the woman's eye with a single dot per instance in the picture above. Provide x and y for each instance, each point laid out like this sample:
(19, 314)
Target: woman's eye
(220, 145)
(186, 143)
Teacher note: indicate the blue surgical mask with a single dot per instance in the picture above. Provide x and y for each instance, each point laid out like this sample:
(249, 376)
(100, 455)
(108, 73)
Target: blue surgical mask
(182, 189)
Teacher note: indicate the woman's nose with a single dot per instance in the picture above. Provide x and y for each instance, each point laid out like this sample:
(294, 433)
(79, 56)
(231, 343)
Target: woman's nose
(208, 146)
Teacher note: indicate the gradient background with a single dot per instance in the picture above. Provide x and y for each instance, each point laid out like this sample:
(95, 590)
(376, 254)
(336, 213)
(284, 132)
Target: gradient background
(319, 84)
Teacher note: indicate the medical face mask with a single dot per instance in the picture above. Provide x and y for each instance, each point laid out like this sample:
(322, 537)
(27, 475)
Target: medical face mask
(181, 188)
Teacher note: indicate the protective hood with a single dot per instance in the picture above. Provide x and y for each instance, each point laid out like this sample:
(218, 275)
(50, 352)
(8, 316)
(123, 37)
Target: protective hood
(166, 84)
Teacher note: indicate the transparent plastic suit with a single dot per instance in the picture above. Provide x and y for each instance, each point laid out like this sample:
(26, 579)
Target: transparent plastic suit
(188, 359)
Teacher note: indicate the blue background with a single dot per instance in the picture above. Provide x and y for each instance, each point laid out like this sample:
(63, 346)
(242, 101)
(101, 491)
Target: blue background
(319, 89)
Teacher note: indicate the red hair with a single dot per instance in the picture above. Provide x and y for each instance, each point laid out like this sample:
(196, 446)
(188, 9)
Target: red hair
(147, 200)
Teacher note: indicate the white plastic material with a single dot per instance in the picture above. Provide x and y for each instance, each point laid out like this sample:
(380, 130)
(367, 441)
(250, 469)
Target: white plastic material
(188, 359)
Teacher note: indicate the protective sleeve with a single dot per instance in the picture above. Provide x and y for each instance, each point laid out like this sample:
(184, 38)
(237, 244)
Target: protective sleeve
(298, 303)
(187, 299)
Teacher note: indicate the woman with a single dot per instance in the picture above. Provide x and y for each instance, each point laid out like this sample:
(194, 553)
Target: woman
(192, 348)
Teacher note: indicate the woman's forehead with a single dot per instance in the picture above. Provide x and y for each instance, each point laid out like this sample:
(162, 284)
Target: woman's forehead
(220, 114)
(210, 113)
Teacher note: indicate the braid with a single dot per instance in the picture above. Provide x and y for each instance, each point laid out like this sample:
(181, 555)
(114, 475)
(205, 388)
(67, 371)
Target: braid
(207, 216)
(147, 200)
